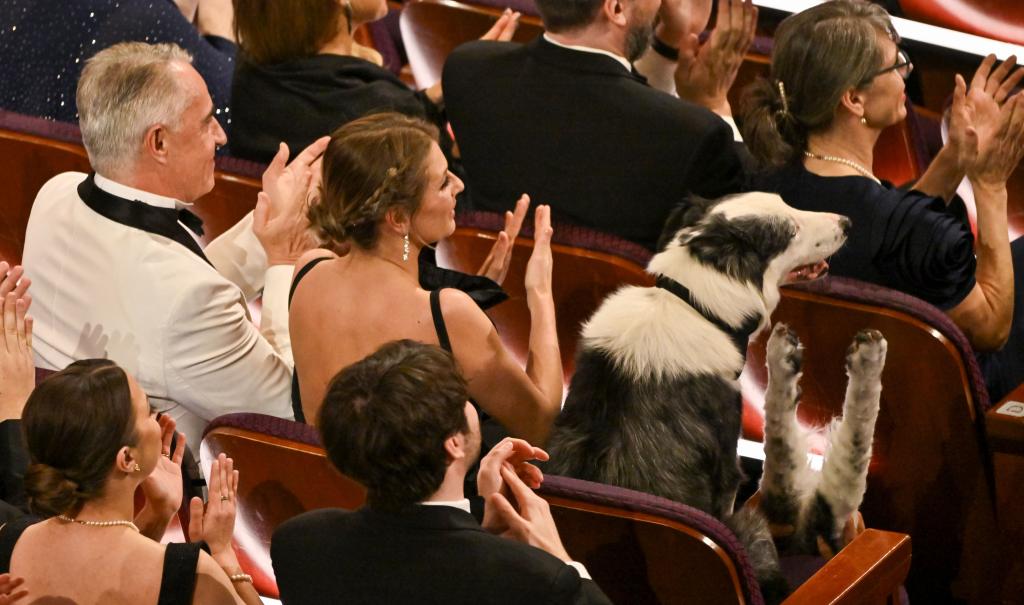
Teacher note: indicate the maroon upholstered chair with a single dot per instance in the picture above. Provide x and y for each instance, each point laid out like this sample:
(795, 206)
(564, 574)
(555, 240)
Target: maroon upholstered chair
(644, 549)
(932, 474)
(283, 472)
(588, 266)
(431, 29)
(996, 19)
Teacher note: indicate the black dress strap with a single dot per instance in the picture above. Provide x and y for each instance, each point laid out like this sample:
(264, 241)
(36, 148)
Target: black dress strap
(179, 577)
(302, 273)
(9, 537)
(439, 327)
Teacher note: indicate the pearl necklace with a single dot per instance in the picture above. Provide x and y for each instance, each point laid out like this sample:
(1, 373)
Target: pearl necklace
(838, 160)
(99, 523)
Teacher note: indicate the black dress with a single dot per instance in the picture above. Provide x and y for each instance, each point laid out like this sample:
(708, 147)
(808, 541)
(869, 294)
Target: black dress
(302, 100)
(907, 241)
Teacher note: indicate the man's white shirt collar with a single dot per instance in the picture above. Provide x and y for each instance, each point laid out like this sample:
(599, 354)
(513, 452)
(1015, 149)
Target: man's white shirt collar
(459, 504)
(596, 51)
(133, 194)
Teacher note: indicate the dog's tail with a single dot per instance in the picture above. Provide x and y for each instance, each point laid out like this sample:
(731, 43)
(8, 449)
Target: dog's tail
(751, 527)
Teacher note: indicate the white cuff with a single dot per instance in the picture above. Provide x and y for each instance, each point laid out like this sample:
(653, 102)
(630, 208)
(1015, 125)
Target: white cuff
(736, 136)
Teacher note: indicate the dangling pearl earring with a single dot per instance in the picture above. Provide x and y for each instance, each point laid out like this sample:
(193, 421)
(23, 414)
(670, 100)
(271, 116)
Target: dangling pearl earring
(863, 120)
(405, 247)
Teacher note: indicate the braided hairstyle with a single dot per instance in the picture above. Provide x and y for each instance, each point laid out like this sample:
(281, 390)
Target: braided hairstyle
(75, 422)
(819, 54)
(371, 165)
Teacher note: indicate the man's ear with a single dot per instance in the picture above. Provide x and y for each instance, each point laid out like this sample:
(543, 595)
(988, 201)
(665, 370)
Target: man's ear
(853, 102)
(614, 11)
(155, 142)
(455, 447)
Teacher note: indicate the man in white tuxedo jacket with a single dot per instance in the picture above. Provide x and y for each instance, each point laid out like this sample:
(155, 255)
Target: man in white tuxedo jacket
(116, 265)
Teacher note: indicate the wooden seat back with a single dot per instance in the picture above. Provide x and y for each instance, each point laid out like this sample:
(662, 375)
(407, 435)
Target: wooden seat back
(432, 29)
(581, 279)
(29, 162)
(283, 472)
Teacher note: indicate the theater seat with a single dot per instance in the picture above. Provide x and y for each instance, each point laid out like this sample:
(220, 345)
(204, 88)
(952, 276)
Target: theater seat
(431, 29)
(283, 472)
(1000, 20)
(644, 549)
(931, 474)
(588, 266)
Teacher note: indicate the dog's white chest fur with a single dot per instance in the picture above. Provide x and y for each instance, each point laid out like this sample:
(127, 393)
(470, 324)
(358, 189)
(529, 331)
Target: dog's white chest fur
(649, 333)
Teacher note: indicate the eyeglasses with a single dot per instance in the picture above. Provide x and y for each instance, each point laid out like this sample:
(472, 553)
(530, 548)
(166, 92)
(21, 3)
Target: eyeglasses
(903, 67)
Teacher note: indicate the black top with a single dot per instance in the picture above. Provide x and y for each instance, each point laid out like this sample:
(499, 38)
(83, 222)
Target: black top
(430, 554)
(580, 132)
(45, 44)
(302, 100)
(179, 571)
(904, 240)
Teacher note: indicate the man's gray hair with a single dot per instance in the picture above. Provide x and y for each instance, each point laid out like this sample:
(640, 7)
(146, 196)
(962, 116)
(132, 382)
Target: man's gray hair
(123, 91)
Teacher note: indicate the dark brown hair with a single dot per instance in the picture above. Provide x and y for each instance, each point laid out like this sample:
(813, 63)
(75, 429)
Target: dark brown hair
(273, 31)
(385, 419)
(818, 55)
(75, 422)
(566, 15)
(371, 165)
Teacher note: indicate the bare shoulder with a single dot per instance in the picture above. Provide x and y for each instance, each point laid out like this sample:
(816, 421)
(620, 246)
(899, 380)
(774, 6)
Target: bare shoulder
(461, 312)
(310, 256)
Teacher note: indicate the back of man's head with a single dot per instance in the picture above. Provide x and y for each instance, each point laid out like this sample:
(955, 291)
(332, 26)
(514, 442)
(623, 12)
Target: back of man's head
(566, 15)
(123, 91)
(385, 419)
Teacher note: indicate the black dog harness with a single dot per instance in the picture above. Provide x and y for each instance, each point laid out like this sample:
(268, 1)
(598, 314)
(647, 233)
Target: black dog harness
(740, 336)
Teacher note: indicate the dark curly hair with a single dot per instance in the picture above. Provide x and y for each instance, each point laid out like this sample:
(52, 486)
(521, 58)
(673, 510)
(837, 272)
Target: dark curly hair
(385, 419)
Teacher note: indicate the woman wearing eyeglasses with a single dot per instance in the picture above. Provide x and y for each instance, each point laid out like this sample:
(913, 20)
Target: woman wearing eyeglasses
(837, 80)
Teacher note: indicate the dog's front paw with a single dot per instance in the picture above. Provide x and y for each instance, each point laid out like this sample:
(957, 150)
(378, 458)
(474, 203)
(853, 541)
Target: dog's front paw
(785, 354)
(866, 356)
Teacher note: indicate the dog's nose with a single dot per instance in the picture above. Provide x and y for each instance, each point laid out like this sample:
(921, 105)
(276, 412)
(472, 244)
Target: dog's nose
(845, 224)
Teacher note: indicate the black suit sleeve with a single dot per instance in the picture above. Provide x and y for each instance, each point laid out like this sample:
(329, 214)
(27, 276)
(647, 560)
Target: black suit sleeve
(13, 464)
(569, 588)
(723, 165)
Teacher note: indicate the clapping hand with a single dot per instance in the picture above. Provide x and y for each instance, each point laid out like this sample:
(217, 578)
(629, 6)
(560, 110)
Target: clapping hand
(504, 28)
(705, 73)
(679, 18)
(496, 265)
(523, 516)
(975, 113)
(17, 369)
(538, 269)
(8, 585)
(214, 522)
(163, 487)
(514, 455)
(279, 220)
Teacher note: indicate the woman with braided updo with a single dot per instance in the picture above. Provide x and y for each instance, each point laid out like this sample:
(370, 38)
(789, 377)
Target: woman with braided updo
(837, 80)
(93, 439)
(387, 192)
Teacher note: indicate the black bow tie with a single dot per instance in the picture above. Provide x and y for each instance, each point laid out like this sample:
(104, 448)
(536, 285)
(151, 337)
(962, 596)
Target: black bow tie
(190, 220)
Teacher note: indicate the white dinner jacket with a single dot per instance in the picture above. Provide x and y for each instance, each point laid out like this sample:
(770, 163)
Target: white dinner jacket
(179, 326)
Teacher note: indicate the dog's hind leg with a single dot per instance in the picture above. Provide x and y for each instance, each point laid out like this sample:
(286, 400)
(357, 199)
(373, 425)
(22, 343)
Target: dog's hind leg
(785, 476)
(844, 473)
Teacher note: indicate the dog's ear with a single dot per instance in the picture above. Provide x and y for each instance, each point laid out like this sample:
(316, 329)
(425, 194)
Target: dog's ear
(687, 213)
(742, 247)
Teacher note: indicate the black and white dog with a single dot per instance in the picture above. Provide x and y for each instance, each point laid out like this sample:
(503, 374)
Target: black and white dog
(654, 404)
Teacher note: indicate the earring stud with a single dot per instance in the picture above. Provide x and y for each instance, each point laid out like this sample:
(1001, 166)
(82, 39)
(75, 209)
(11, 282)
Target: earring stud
(863, 120)
(137, 467)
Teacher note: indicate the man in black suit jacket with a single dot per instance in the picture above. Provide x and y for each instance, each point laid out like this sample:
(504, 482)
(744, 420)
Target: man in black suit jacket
(569, 121)
(399, 422)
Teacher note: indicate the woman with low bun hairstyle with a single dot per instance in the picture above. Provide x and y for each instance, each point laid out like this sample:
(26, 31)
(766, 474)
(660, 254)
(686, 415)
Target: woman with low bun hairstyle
(386, 193)
(836, 82)
(93, 440)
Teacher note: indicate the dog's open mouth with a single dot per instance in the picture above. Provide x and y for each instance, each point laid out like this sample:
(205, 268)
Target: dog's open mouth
(808, 272)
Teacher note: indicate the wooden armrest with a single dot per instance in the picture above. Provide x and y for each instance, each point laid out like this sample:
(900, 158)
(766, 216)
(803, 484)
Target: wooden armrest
(1005, 423)
(869, 570)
